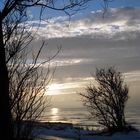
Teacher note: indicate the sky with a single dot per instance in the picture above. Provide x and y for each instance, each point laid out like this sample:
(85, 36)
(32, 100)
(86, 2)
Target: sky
(89, 41)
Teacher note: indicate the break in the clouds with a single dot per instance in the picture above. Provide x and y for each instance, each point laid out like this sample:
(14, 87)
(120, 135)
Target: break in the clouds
(117, 23)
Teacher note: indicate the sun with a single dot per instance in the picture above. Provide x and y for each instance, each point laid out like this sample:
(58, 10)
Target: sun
(54, 89)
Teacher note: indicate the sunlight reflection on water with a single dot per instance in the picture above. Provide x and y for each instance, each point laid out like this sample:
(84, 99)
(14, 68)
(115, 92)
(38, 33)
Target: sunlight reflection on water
(80, 116)
(54, 111)
(54, 114)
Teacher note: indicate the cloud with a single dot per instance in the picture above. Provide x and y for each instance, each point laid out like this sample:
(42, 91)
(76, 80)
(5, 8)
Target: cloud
(118, 23)
(91, 42)
(59, 62)
(69, 85)
(132, 76)
(67, 62)
(81, 55)
(72, 85)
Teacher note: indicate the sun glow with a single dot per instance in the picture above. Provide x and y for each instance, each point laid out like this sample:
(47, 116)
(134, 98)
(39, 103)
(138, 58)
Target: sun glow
(54, 89)
(64, 88)
(54, 111)
(55, 114)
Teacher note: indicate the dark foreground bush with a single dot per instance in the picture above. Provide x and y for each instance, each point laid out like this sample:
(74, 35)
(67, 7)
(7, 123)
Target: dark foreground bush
(126, 129)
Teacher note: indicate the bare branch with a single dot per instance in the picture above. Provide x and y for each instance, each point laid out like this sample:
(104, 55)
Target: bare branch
(106, 102)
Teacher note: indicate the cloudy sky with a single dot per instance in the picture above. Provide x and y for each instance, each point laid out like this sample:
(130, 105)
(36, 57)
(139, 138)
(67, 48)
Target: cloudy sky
(89, 41)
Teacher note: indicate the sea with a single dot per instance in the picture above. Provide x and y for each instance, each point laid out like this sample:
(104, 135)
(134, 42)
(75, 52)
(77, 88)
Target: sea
(79, 116)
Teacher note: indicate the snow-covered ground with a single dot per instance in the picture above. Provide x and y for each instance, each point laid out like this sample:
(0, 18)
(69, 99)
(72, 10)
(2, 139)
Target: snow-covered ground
(61, 131)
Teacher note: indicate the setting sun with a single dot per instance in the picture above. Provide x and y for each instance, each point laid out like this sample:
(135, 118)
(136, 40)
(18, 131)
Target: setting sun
(54, 89)
(65, 88)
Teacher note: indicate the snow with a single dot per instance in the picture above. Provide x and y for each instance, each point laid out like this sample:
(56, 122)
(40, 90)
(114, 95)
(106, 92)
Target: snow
(119, 136)
(61, 131)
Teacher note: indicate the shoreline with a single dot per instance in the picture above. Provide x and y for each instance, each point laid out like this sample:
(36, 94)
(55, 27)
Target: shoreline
(67, 131)
(64, 125)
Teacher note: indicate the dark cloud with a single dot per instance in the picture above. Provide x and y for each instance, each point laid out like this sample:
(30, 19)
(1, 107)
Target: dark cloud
(91, 53)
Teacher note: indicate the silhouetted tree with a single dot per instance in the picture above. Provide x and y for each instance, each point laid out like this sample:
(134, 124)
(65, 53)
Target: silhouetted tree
(13, 14)
(106, 101)
(28, 87)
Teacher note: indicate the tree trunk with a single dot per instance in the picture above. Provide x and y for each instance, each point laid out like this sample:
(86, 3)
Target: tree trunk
(5, 113)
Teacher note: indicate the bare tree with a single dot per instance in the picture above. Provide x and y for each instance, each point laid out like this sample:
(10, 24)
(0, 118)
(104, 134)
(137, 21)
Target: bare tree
(13, 14)
(27, 86)
(106, 101)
